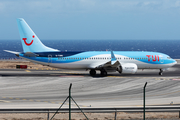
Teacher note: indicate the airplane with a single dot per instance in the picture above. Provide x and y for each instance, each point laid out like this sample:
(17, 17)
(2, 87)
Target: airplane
(125, 62)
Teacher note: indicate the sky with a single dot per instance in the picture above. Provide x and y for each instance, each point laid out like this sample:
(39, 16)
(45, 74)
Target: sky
(92, 19)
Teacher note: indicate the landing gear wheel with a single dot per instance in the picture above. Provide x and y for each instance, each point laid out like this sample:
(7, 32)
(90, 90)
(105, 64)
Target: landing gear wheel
(103, 73)
(160, 73)
(92, 72)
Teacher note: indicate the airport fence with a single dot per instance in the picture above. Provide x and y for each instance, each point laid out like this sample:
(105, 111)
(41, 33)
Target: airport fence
(95, 110)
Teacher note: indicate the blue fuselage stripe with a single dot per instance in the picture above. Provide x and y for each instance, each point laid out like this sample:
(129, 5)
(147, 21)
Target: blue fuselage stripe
(70, 57)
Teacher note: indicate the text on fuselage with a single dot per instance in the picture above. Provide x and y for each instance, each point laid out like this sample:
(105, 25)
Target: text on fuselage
(153, 57)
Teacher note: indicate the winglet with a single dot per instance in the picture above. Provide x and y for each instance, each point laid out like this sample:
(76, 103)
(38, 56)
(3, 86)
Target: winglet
(113, 58)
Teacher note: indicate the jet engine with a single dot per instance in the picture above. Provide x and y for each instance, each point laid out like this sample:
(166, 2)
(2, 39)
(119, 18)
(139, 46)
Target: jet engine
(127, 68)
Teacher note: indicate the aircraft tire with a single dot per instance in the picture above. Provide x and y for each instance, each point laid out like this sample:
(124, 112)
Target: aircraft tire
(160, 73)
(92, 72)
(103, 73)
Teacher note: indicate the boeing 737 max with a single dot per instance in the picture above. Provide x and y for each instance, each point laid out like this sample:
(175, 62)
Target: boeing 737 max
(125, 62)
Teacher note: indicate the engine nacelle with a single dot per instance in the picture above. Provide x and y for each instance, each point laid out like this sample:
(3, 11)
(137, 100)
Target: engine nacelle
(127, 68)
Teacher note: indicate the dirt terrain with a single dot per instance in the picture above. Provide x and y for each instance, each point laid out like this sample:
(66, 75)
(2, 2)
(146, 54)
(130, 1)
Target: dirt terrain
(92, 116)
(11, 64)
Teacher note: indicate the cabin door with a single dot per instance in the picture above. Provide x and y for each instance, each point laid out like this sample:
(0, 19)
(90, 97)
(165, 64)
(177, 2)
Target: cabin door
(161, 59)
(49, 58)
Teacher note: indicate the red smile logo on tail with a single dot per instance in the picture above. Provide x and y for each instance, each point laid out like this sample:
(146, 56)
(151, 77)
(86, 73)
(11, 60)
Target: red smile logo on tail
(28, 44)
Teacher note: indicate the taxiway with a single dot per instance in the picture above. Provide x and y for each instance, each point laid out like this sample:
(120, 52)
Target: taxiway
(49, 88)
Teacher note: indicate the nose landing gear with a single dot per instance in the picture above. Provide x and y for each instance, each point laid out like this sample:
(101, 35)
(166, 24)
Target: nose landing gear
(161, 71)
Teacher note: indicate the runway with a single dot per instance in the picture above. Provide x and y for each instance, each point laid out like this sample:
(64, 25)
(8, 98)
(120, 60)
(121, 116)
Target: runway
(48, 89)
(173, 71)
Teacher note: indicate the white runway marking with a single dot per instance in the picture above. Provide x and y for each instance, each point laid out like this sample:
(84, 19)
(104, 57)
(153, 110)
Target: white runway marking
(4, 101)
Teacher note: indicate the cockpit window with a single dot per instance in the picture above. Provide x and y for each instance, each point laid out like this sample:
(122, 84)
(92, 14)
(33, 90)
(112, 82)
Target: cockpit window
(168, 57)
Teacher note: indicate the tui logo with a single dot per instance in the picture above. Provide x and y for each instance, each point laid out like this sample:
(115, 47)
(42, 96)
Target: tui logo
(28, 44)
(154, 58)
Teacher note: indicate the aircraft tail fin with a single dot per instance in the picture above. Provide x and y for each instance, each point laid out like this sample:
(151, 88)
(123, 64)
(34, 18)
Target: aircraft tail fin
(30, 41)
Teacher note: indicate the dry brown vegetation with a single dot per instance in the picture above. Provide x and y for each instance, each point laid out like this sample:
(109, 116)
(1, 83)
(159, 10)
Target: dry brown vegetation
(91, 116)
(12, 65)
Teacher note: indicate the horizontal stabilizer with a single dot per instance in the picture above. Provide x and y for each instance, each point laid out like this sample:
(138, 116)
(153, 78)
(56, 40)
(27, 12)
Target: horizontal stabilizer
(12, 52)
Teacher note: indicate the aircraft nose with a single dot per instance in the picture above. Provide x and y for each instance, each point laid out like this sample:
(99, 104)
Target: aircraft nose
(174, 62)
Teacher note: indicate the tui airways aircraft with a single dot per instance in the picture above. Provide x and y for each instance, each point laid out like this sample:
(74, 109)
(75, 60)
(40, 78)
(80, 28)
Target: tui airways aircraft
(125, 62)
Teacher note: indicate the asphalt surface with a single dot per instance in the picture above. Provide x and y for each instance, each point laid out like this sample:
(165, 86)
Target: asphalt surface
(173, 71)
(49, 88)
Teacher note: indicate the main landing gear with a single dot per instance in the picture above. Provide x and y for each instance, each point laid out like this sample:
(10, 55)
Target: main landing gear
(103, 72)
(93, 72)
(161, 71)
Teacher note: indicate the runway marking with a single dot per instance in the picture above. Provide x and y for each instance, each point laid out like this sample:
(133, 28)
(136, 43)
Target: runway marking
(155, 78)
(72, 73)
(137, 96)
(52, 102)
(71, 76)
(176, 79)
(169, 104)
(27, 71)
(139, 105)
(117, 76)
(162, 78)
(46, 69)
(5, 101)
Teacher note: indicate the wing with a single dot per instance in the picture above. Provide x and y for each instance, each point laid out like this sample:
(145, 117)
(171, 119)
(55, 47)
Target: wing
(113, 63)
